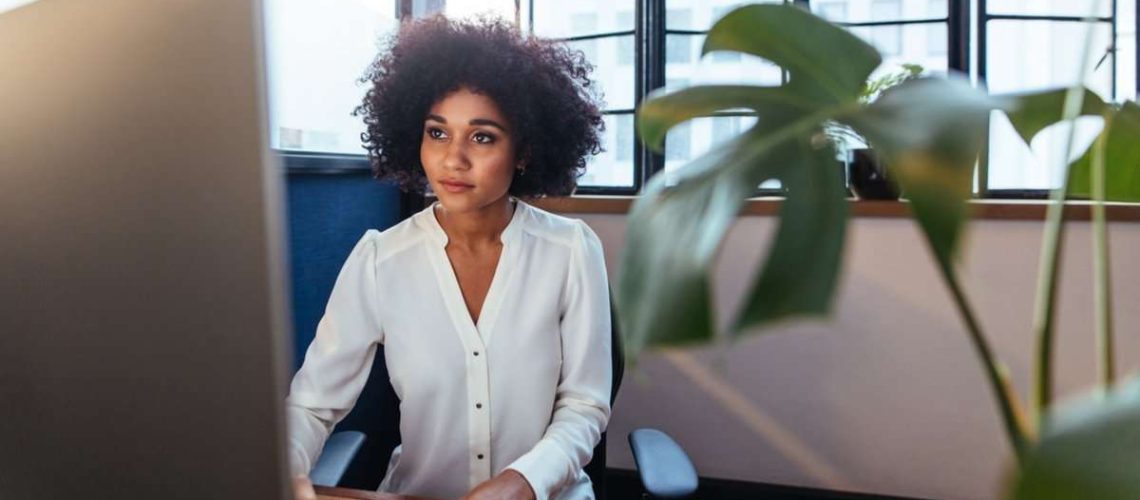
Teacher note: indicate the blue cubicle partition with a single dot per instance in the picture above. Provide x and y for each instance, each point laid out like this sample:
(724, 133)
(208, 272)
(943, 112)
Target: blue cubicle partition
(328, 213)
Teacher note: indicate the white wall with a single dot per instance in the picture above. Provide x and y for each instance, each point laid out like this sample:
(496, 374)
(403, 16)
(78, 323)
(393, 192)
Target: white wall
(886, 396)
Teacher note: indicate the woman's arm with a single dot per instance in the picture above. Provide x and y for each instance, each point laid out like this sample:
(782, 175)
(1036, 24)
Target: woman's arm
(338, 360)
(582, 401)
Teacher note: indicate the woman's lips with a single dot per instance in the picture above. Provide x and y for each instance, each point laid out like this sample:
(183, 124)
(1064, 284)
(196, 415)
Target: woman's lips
(454, 186)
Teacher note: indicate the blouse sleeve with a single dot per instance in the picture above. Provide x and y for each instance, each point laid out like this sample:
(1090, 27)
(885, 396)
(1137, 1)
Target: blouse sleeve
(338, 360)
(582, 400)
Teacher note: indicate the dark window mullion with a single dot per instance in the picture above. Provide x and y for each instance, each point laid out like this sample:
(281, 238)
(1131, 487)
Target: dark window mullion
(1034, 17)
(650, 67)
(1112, 49)
(686, 32)
(597, 36)
(893, 22)
(958, 36)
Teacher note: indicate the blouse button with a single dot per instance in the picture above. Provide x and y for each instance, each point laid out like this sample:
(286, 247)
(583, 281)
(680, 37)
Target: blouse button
(480, 456)
(478, 405)
(476, 353)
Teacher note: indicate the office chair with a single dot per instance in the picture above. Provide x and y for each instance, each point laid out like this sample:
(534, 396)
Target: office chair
(663, 467)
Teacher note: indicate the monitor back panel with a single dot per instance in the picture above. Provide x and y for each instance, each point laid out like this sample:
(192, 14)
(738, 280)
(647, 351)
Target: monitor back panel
(141, 302)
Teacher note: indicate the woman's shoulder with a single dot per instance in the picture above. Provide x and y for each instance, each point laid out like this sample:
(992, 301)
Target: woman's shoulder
(557, 228)
(381, 245)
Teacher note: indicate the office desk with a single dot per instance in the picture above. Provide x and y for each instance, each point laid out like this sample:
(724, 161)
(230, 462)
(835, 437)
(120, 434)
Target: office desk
(327, 493)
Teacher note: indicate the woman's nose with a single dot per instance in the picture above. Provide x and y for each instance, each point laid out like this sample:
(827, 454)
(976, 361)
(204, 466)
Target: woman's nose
(456, 157)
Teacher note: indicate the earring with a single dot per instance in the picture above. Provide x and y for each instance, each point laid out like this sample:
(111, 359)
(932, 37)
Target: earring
(521, 168)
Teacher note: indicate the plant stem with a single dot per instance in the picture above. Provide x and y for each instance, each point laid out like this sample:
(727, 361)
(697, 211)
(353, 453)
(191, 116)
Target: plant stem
(1046, 298)
(1102, 288)
(1052, 245)
(1012, 414)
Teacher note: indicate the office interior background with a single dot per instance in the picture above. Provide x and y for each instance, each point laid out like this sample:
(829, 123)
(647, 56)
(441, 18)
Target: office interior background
(885, 397)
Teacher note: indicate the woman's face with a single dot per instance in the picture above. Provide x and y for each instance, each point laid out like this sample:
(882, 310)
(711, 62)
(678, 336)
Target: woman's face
(468, 151)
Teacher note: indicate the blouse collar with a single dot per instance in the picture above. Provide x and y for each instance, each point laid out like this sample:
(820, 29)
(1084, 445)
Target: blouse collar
(427, 220)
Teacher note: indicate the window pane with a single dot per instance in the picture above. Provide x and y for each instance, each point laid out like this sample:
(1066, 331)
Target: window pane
(888, 39)
(717, 67)
(937, 40)
(922, 44)
(1048, 7)
(832, 10)
(1126, 50)
(696, 137)
(700, 15)
(458, 9)
(680, 49)
(614, 167)
(1024, 55)
(613, 61)
(1013, 165)
(859, 11)
(613, 72)
(1027, 55)
(315, 52)
(585, 17)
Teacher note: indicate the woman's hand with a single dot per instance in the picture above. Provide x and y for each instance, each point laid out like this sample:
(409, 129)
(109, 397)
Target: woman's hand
(508, 485)
(303, 488)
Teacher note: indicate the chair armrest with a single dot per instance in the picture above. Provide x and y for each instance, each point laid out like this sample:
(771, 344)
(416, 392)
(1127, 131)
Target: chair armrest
(336, 456)
(664, 468)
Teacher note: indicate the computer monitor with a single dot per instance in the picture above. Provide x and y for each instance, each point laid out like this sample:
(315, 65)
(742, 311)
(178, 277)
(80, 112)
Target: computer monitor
(143, 320)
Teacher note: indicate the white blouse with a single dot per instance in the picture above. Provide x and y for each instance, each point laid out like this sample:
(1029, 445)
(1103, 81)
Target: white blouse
(527, 387)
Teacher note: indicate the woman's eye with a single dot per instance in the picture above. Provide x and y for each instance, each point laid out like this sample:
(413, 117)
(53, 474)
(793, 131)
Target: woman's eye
(484, 138)
(434, 133)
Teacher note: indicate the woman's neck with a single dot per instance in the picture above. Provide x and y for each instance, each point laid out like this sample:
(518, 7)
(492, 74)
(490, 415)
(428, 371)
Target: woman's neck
(476, 229)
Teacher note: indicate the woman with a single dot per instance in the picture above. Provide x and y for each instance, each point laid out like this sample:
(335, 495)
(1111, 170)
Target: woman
(493, 314)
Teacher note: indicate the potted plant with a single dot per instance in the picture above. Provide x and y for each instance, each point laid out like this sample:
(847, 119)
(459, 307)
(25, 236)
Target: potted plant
(866, 175)
(929, 131)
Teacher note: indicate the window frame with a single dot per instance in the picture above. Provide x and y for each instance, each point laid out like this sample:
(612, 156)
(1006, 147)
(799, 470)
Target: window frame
(649, 59)
(638, 62)
(983, 18)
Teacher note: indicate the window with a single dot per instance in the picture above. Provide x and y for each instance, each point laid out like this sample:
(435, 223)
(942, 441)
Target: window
(624, 144)
(679, 143)
(625, 44)
(687, 22)
(887, 38)
(904, 31)
(603, 31)
(832, 10)
(937, 37)
(1032, 45)
(316, 50)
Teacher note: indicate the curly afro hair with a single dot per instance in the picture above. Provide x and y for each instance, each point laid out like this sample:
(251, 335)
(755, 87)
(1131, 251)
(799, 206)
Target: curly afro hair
(541, 86)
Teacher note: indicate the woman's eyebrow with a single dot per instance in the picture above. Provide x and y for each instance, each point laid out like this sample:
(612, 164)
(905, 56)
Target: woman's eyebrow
(488, 122)
(474, 121)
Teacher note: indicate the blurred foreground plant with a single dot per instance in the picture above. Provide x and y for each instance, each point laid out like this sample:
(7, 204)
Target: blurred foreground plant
(929, 131)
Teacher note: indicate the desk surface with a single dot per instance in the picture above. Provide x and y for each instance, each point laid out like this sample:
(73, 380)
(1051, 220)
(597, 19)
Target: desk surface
(326, 493)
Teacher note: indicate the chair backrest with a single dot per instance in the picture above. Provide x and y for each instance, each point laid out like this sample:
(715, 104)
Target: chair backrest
(327, 215)
(596, 469)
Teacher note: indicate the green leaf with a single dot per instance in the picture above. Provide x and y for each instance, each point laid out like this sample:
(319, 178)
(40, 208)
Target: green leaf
(930, 131)
(672, 235)
(1122, 159)
(824, 61)
(1032, 112)
(1089, 449)
(802, 267)
(662, 111)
